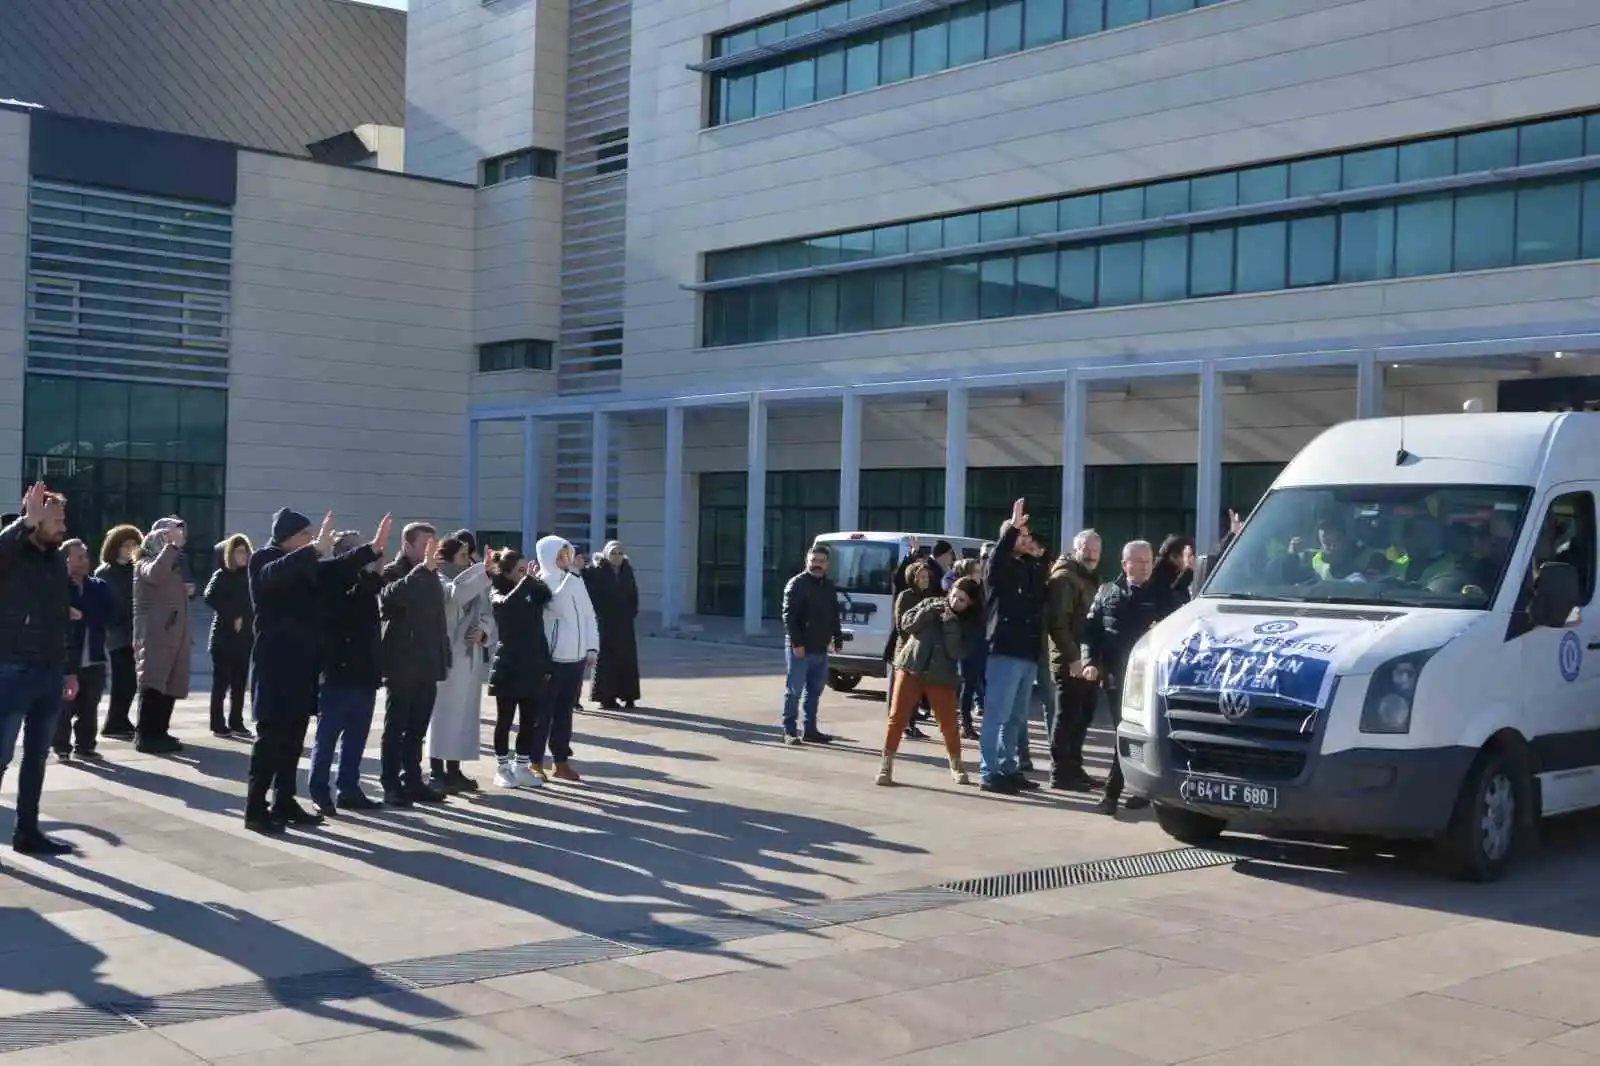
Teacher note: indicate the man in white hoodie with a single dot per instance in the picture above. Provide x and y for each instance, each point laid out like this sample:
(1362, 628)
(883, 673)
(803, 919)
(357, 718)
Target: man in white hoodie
(573, 634)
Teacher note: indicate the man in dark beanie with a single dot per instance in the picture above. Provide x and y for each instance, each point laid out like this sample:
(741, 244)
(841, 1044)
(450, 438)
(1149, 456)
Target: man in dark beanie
(285, 589)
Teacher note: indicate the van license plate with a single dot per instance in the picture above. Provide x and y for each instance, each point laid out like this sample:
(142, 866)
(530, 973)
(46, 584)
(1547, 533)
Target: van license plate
(855, 618)
(1221, 793)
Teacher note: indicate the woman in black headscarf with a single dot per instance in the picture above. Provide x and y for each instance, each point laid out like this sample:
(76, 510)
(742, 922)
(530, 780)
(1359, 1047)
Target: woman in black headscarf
(615, 596)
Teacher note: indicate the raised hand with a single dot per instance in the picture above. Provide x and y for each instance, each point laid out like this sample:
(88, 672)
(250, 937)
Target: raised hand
(430, 554)
(34, 500)
(1019, 515)
(325, 535)
(380, 539)
(1235, 523)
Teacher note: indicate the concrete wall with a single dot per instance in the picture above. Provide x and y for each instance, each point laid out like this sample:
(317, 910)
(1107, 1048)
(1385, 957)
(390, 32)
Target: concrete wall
(352, 344)
(482, 80)
(517, 265)
(13, 298)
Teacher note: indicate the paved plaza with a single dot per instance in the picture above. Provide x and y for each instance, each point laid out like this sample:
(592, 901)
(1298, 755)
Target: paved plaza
(708, 897)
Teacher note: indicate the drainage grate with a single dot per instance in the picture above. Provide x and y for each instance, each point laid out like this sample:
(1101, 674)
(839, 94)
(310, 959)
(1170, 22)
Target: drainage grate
(60, 1026)
(1092, 872)
(883, 905)
(251, 997)
(715, 929)
(506, 962)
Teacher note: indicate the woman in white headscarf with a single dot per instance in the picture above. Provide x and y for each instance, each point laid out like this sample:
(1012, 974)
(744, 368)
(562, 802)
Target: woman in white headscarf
(454, 733)
(615, 595)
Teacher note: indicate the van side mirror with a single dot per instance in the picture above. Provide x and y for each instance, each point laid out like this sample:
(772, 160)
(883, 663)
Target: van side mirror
(1555, 595)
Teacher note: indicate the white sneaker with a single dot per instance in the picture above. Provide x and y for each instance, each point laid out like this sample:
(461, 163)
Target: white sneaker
(505, 775)
(523, 774)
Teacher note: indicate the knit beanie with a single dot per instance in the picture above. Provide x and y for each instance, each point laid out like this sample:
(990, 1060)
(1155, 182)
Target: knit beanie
(287, 523)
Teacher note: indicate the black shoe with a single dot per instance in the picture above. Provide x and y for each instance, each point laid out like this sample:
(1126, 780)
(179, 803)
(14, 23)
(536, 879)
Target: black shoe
(460, 782)
(394, 797)
(817, 736)
(36, 843)
(1004, 786)
(1107, 805)
(64, 754)
(630, 704)
(791, 738)
(292, 814)
(610, 705)
(325, 806)
(913, 733)
(1024, 784)
(166, 745)
(264, 824)
(1025, 766)
(117, 734)
(222, 734)
(357, 801)
(442, 784)
(239, 732)
(425, 794)
(969, 733)
(89, 755)
(1135, 803)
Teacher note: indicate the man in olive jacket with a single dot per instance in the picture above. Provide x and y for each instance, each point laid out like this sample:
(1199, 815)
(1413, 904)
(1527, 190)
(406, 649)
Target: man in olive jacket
(1074, 579)
(415, 657)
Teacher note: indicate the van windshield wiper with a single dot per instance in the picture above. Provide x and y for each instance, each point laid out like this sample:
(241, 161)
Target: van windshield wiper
(1355, 600)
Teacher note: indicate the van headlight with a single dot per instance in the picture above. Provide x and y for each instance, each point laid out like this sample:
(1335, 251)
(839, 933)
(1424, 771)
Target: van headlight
(1136, 686)
(1391, 693)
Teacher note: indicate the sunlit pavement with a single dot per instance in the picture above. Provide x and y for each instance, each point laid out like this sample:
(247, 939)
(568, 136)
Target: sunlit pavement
(338, 945)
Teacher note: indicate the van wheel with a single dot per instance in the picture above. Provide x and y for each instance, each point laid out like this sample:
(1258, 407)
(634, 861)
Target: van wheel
(843, 682)
(1189, 827)
(1491, 820)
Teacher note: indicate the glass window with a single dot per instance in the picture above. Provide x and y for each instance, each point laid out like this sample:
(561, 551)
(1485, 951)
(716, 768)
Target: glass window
(1034, 219)
(794, 302)
(769, 91)
(1076, 281)
(889, 310)
(1167, 198)
(1313, 250)
(857, 302)
(800, 82)
(771, 33)
(1362, 170)
(1036, 283)
(889, 240)
(153, 424)
(763, 314)
(1169, 7)
(1211, 262)
(801, 22)
(1591, 135)
(961, 230)
(930, 46)
(1591, 219)
(861, 66)
(1121, 273)
(1485, 230)
(858, 8)
(825, 251)
(1044, 21)
(1085, 17)
(1262, 256)
(1121, 205)
(1547, 222)
(1262, 185)
(1366, 244)
(997, 295)
(1080, 212)
(1423, 236)
(1214, 191)
(738, 42)
(894, 57)
(958, 291)
(856, 246)
(824, 306)
(967, 32)
(1429, 159)
(1166, 268)
(830, 72)
(1309, 177)
(926, 236)
(793, 255)
(922, 295)
(1486, 150)
(833, 14)
(740, 97)
(1126, 12)
(997, 225)
(1542, 142)
(102, 422)
(50, 424)
(1005, 27)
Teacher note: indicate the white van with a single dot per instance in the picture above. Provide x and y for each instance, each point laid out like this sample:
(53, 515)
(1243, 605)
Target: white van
(1401, 643)
(862, 566)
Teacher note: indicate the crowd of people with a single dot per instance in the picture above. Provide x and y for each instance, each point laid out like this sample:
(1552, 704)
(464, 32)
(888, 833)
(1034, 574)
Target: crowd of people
(996, 635)
(312, 624)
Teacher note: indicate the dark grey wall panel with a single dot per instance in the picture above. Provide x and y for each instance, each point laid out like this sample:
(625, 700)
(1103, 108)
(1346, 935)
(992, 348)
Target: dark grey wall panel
(85, 152)
(274, 74)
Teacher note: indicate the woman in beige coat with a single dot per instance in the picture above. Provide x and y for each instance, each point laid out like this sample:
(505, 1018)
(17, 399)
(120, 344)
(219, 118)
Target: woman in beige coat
(160, 634)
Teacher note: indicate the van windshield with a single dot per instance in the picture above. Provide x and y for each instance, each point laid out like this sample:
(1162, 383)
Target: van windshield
(1413, 545)
(863, 567)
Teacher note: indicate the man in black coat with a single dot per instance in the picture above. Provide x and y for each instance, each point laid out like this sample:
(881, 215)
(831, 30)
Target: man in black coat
(351, 636)
(285, 582)
(415, 657)
(1014, 580)
(1123, 611)
(811, 620)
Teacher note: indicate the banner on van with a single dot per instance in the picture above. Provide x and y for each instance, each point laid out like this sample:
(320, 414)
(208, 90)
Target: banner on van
(1280, 658)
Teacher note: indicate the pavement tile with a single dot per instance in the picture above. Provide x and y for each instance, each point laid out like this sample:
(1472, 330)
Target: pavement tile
(1539, 989)
(127, 1049)
(1470, 1031)
(1027, 1046)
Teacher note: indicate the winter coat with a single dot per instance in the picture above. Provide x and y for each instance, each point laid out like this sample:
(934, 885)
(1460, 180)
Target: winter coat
(1016, 596)
(933, 642)
(521, 666)
(92, 600)
(232, 616)
(1070, 589)
(1120, 615)
(615, 595)
(286, 589)
(119, 626)
(1171, 582)
(811, 614)
(416, 648)
(454, 730)
(35, 604)
(161, 620)
(570, 626)
(351, 633)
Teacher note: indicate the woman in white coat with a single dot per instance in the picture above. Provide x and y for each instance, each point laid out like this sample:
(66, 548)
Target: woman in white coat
(454, 733)
(573, 634)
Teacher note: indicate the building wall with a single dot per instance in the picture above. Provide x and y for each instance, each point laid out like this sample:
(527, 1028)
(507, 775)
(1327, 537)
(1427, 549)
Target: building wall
(13, 312)
(1220, 86)
(482, 80)
(352, 344)
(517, 261)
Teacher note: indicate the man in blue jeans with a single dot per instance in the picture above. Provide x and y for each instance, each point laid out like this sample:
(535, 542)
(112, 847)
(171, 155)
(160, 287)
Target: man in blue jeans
(38, 663)
(351, 638)
(1015, 587)
(811, 625)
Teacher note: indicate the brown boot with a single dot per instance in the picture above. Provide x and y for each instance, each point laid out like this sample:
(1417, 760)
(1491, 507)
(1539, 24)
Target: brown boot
(564, 772)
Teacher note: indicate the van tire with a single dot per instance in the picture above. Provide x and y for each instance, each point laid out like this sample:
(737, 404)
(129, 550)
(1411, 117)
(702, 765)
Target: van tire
(1189, 827)
(843, 682)
(1493, 819)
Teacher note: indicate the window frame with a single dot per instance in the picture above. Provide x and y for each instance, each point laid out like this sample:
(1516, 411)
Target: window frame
(491, 171)
(525, 359)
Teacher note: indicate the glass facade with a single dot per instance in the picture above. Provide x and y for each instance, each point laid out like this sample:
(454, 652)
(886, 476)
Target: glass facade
(852, 61)
(1123, 502)
(129, 452)
(516, 355)
(1479, 226)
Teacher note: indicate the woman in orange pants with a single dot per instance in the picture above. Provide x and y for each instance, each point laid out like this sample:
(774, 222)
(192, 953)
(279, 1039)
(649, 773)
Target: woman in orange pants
(935, 634)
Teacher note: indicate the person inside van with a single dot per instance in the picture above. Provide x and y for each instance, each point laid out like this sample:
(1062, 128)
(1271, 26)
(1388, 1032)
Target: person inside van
(1337, 556)
(1426, 556)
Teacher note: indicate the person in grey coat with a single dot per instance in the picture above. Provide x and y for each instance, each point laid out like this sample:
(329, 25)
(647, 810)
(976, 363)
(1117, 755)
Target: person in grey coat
(415, 656)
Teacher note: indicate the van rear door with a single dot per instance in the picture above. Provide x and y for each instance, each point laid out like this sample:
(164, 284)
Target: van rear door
(863, 572)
